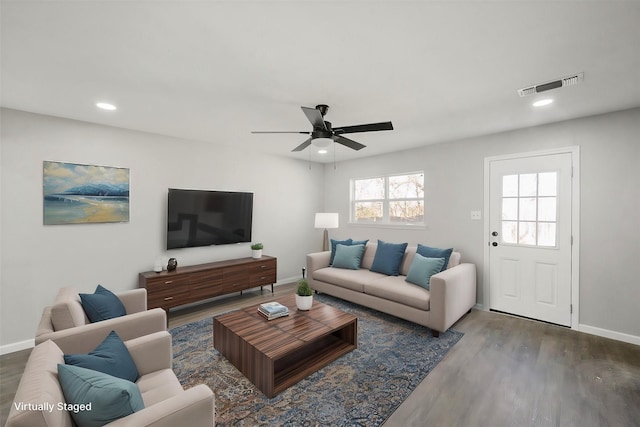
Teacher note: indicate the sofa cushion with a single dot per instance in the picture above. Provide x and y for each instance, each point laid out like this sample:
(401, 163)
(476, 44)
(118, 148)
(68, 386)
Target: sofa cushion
(349, 279)
(422, 269)
(102, 305)
(158, 386)
(388, 258)
(369, 254)
(110, 357)
(348, 256)
(397, 289)
(66, 311)
(110, 398)
(334, 243)
(429, 252)
(39, 386)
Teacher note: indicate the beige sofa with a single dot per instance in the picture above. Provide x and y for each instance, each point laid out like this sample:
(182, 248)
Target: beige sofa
(452, 292)
(166, 403)
(66, 323)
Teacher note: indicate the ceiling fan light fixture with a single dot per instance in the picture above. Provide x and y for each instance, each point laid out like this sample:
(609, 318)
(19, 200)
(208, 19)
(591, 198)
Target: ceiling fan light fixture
(105, 106)
(322, 142)
(543, 102)
(323, 151)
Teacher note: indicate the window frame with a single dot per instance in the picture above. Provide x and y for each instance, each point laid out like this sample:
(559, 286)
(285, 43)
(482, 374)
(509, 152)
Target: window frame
(386, 202)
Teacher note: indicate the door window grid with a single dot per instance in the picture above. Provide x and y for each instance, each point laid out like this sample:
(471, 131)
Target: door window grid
(529, 209)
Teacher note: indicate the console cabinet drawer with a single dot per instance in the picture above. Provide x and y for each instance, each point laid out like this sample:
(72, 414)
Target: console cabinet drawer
(200, 282)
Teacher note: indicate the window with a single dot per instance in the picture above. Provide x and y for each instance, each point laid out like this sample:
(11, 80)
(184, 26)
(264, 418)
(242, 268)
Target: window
(529, 209)
(391, 200)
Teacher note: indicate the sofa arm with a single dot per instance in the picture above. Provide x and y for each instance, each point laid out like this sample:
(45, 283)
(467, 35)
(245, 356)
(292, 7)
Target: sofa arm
(152, 352)
(453, 293)
(316, 261)
(193, 408)
(134, 301)
(85, 338)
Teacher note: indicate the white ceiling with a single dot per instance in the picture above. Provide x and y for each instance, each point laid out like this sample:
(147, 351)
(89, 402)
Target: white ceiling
(216, 70)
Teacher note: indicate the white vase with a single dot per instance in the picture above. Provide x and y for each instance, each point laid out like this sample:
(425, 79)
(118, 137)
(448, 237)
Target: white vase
(304, 303)
(256, 253)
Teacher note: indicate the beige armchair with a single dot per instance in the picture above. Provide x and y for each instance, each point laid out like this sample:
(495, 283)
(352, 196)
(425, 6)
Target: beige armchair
(166, 403)
(67, 325)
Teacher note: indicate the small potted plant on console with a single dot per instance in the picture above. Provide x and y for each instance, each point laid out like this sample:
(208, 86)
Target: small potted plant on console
(256, 250)
(304, 295)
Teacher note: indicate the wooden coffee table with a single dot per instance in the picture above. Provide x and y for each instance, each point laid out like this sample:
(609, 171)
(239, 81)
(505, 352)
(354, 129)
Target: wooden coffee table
(275, 354)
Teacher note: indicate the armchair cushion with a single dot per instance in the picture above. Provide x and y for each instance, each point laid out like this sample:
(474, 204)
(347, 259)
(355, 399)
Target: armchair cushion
(102, 305)
(110, 357)
(97, 398)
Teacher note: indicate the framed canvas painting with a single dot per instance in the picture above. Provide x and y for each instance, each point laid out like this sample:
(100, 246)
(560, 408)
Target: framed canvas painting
(77, 194)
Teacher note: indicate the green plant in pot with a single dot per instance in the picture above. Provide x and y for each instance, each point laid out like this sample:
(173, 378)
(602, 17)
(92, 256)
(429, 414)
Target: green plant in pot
(304, 295)
(256, 250)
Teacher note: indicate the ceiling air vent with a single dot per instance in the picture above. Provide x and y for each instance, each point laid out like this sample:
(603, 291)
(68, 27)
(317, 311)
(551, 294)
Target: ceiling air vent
(542, 87)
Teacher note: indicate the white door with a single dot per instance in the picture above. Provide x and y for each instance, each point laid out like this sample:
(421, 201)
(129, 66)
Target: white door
(530, 243)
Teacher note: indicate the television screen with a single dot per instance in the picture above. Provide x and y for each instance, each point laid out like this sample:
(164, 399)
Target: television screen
(204, 218)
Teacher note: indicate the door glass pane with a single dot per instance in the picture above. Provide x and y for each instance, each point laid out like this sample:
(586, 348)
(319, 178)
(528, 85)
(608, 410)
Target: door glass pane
(527, 233)
(527, 209)
(510, 208)
(510, 186)
(547, 184)
(547, 209)
(528, 184)
(546, 234)
(509, 232)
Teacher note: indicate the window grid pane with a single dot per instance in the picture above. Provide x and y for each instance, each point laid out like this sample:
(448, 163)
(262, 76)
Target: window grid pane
(529, 209)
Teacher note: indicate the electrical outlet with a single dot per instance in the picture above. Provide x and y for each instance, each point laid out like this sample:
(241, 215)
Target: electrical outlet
(476, 215)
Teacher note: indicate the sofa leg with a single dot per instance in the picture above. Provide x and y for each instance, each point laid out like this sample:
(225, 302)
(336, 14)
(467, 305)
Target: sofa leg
(436, 334)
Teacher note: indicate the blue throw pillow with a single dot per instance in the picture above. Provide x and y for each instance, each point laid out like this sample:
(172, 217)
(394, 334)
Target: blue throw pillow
(100, 398)
(110, 357)
(348, 257)
(102, 305)
(429, 252)
(360, 242)
(422, 269)
(388, 258)
(334, 243)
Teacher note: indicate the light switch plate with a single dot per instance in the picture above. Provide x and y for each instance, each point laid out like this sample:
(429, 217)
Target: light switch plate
(476, 215)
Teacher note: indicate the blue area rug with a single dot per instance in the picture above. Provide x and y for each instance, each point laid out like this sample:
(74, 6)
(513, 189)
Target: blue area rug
(362, 388)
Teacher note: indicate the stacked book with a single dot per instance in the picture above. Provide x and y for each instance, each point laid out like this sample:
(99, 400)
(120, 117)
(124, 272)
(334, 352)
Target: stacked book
(273, 310)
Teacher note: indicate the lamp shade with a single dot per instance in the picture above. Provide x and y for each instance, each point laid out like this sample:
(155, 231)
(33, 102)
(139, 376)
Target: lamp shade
(326, 220)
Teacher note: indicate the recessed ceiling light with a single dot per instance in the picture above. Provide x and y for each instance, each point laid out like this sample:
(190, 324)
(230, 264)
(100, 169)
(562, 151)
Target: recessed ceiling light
(322, 151)
(106, 106)
(543, 102)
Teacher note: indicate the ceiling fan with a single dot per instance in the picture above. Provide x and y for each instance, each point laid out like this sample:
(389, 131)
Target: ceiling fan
(322, 129)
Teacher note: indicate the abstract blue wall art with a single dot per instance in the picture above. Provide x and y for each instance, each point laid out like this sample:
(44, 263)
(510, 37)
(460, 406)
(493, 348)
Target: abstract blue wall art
(77, 194)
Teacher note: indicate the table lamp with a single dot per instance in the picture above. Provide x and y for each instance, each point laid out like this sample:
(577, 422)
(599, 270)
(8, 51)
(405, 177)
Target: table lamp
(326, 220)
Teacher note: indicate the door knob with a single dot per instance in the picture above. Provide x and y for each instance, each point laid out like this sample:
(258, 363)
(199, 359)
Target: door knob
(495, 233)
(494, 244)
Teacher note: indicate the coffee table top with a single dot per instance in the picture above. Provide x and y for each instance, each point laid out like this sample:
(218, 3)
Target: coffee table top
(282, 336)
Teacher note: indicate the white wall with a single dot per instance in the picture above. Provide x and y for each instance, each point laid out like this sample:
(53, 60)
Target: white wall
(37, 260)
(610, 206)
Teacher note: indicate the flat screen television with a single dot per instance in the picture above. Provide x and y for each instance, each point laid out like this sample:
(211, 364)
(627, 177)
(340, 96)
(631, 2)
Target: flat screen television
(204, 218)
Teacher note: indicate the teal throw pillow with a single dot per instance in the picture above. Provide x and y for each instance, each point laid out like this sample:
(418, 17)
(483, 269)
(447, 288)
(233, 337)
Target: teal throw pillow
(348, 257)
(360, 242)
(95, 398)
(102, 305)
(388, 258)
(422, 269)
(335, 243)
(429, 252)
(110, 357)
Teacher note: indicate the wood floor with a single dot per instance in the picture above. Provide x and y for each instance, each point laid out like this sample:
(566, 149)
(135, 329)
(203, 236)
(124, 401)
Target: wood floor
(505, 371)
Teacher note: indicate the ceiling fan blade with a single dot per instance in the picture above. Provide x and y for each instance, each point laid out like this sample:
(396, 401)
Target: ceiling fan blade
(348, 142)
(279, 131)
(371, 127)
(303, 145)
(315, 117)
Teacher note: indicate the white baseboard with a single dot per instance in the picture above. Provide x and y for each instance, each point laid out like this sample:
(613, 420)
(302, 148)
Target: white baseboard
(619, 336)
(16, 346)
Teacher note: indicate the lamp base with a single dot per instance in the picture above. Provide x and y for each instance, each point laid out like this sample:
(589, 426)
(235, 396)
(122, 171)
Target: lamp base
(325, 241)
